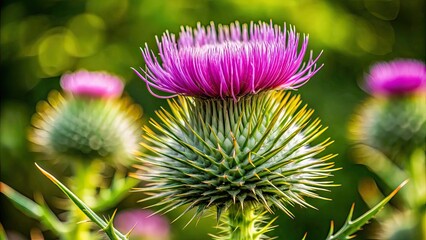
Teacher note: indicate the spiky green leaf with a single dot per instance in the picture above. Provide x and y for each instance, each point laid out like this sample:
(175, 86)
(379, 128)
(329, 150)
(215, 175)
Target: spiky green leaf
(352, 226)
(106, 226)
(39, 211)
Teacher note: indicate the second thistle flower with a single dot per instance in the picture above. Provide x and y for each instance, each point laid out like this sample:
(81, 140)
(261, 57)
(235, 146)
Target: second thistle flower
(90, 121)
(393, 120)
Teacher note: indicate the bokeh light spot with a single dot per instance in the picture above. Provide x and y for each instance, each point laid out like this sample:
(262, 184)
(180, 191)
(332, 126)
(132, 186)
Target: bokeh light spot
(383, 9)
(102, 60)
(88, 33)
(110, 10)
(375, 37)
(29, 31)
(52, 56)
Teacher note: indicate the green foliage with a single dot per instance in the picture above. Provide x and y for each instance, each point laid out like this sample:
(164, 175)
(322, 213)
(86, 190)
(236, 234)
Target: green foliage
(105, 225)
(39, 211)
(352, 226)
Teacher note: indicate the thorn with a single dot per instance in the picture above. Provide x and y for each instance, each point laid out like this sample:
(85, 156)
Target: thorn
(351, 212)
(131, 230)
(235, 145)
(113, 215)
(250, 160)
(330, 233)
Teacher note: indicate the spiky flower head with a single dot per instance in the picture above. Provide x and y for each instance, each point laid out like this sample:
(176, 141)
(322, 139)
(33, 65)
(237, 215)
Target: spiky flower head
(232, 140)
(91, 121)
(232, 61)
(398, 77)
(393, 120)
(392, 126)
(218, 152)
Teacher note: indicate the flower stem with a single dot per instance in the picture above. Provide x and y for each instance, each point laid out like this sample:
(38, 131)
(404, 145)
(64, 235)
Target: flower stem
(417, 172)
(85, 181)
(242, 223)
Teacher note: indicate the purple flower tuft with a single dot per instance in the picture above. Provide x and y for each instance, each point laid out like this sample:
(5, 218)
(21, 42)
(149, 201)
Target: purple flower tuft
(143, 224)
(92, 84)
(232, 61)
(397, 77)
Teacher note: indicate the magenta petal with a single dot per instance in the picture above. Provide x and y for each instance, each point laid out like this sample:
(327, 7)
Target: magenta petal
(228, 61)
(92, 84)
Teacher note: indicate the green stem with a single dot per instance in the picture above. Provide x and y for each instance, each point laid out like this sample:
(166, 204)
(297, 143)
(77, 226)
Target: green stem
(417, 171)
(85, 181)
(243, 223)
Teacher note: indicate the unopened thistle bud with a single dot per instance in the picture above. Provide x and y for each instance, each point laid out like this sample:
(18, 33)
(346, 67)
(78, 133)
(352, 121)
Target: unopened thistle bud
(232, 139)
(90, 121)
(393, 120)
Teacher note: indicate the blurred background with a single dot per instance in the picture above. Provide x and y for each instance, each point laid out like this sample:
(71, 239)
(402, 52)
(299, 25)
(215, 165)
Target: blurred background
(41, 40)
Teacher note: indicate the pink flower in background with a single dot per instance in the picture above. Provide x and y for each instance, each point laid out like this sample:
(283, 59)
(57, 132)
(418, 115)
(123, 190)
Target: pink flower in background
(92, 84)
(397, 77)
(230, 61)
(142, 225)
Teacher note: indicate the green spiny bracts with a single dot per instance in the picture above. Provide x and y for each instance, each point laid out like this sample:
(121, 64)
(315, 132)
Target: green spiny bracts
(86, 128)
(395, 126)
(225, 153)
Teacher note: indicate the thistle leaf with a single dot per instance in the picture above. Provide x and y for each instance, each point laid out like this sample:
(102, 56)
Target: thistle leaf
(21, 202)
(37, 211)
(107, 227)
(351, 226)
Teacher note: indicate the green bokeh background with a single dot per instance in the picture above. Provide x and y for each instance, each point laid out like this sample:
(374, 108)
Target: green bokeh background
(41, 40)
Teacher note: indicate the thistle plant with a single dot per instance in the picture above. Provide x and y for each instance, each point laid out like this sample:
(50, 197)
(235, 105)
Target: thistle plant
(393, 119)
(236, 140)
(389, 133)
(91, 129)
(90, 122)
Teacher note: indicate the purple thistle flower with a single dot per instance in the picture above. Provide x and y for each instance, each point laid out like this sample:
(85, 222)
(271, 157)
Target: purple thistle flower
(397, 77)
(232, 61)
(143, 224)
(92, 84)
